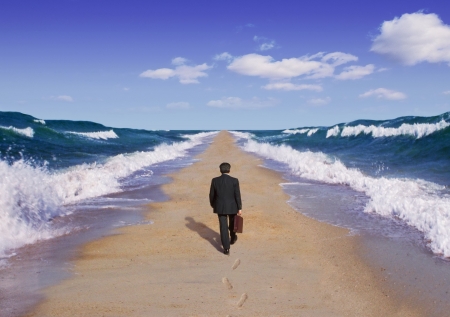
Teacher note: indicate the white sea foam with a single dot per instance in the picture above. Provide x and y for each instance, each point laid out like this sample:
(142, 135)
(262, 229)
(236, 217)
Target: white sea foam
(104, 135)
(31, 196)
(39, 121)
(29, 132)
(416, 202)
(312, 131)
(243, 135)
(301, 131)
(417, 129)
(296, 131)
(333, 131)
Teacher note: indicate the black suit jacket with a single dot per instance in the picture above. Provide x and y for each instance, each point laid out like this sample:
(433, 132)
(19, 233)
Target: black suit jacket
(224, 195)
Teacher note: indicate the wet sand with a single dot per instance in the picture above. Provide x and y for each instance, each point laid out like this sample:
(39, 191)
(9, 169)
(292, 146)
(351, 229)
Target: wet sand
(284, 264)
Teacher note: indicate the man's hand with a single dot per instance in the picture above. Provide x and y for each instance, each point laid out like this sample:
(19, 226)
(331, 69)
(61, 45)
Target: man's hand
(240, 212)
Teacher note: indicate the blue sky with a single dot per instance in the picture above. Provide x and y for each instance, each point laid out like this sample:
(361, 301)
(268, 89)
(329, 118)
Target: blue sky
(224, 64)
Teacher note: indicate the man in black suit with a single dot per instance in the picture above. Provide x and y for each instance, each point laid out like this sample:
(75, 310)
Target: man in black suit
(225, 198)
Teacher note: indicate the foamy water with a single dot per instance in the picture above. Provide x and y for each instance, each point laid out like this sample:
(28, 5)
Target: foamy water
(417, 130)
(333, 131)
(29, 132)
(103, 135)
(308, 131)
(416, 202)
(30, 196)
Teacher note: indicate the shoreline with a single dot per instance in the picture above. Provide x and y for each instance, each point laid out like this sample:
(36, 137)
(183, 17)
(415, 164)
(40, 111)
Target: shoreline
(290, 264)
(45, 263)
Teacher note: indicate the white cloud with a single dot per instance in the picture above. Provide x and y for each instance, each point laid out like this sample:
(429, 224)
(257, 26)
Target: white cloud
(179, 61)
(267, 43)
(315, 66)
(62, 98)
(162, 73)
(267, 46)
(383, 93)
(414, 38)
(338, 58)
(319, 101)
(291, 86)
(178, 105)
(238, 103)
(266, 67)
(126, 89)
(186, 74)
(446, 92)
(225, 56)
(356, 72)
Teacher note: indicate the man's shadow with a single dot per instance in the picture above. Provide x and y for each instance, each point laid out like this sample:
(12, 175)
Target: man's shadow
(205, 232)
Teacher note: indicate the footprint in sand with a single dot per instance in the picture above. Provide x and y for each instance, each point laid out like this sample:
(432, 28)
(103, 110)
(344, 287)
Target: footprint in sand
(242, 300)
(236, 264)
(227, 283)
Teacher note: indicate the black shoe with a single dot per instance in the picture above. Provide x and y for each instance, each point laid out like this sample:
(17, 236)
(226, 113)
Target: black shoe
(233, 240)
(226, 251)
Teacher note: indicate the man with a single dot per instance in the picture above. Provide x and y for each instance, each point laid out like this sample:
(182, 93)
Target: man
(225, 198)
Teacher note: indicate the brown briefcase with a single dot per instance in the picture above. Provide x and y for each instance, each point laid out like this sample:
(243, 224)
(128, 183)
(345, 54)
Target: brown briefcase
(238, 224)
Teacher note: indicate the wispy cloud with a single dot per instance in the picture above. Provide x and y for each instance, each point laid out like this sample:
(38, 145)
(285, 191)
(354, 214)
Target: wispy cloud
(238, 103)
(336, 58)
(64, 98)
(355, 72)
(178, 105)
(319, 101)
(239, 28)
(225, 56)
(319, 65)
(414, 38)
(446, 92)
(383, 93)
(291, 86)
(186, 74)
(265, 44)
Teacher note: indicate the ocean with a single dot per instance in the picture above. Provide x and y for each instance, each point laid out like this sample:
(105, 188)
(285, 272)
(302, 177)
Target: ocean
(60, 179)
(397, 170)
(50, 169)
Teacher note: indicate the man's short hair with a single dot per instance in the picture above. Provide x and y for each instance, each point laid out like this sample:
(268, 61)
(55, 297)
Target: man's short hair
(225, 168)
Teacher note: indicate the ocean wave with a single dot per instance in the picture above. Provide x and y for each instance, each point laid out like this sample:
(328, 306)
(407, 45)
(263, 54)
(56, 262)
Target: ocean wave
(39, 121)
(295, 131)
(243, 135)
(312, 131)
(29, 132)
(31, 196)
(308, 131)
(418, 130)
(333, 132)
(103, 135)
(415, 202)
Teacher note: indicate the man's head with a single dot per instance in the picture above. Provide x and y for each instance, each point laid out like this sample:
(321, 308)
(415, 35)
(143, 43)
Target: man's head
(225, 168)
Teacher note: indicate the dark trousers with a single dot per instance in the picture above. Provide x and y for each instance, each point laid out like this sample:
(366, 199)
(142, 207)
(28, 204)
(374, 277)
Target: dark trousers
(224, 227)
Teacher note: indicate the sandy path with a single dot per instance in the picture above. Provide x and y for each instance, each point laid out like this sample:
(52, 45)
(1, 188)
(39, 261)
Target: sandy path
(285, 263)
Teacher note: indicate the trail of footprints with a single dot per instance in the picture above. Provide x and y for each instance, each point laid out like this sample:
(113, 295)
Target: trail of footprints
(228, 284)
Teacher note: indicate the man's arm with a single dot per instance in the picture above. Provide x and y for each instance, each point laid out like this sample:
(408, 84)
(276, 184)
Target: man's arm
(212, 194)
(237, 195)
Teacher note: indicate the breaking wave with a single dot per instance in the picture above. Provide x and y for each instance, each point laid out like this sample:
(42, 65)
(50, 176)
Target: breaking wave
(418, 203)
(32, 196)
(28, 132)
(103, 135)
